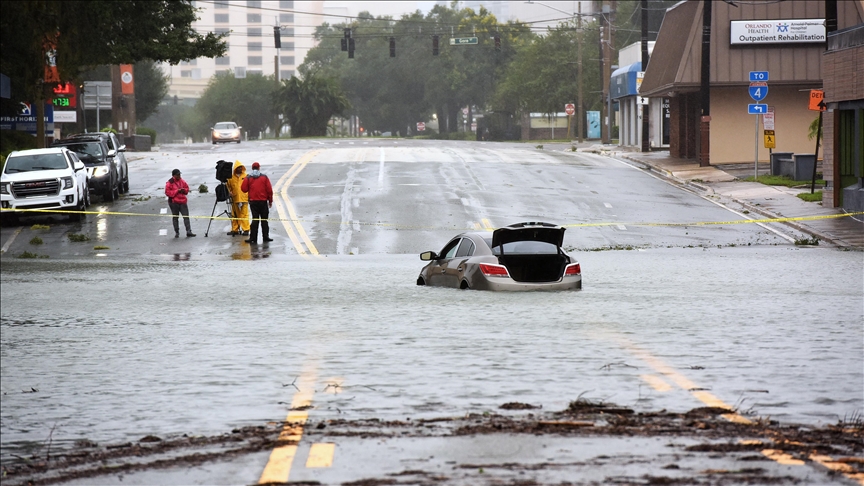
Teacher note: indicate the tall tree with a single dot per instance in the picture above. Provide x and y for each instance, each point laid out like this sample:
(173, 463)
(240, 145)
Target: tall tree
(151, 86)
(88, 33)
(309, 103)
(246, 101)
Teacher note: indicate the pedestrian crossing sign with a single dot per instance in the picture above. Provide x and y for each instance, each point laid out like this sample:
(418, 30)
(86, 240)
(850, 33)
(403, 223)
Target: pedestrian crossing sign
(769, 139)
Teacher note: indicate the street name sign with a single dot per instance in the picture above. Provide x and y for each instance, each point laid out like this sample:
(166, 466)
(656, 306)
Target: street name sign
(758, 90)
(461, 41)
(757, 109)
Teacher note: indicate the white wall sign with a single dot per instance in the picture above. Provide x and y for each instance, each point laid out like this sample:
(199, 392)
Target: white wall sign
(792, 31)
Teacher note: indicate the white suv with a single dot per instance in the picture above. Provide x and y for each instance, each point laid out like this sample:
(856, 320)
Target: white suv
(50, 178)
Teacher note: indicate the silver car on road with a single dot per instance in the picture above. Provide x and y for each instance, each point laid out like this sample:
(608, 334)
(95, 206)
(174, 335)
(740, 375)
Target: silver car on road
(522, 256)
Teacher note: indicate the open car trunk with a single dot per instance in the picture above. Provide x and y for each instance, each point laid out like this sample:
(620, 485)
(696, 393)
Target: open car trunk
(534, 268)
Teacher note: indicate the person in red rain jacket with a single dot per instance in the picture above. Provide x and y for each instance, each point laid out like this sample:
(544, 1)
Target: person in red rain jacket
(176, 189)
(257, 185)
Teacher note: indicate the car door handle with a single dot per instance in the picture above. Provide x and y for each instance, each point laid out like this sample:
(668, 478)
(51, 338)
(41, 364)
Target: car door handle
(459, 269)
(443, 270)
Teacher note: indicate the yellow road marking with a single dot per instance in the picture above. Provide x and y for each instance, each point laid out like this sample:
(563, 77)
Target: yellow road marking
(278, 467)
(656, 382)
(781, 457)
(487, 224)
(321, 455)
(281, 189)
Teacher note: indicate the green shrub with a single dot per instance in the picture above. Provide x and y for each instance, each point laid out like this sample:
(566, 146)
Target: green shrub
(147, 131)
(108, 129)
(12, 140)
(203, 189)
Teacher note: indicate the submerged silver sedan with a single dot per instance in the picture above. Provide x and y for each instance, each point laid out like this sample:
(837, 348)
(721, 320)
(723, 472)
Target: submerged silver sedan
(522, 256)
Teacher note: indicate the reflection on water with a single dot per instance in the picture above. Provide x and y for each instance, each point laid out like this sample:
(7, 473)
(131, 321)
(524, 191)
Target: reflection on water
(208, 345)
(182, 257)
(101, 227)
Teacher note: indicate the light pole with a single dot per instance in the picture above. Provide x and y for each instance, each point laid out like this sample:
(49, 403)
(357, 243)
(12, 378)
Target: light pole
(580, 111)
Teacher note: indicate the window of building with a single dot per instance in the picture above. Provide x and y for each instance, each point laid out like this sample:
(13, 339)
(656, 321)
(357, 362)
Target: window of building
(286, 4)
(221, 72)
(288, 32)
(286, 18)
(253, 3)
(185, 73)
(253, 18)
(220, 5)
(189, 63)
(288, 45)
(221, 18)
(223, 61)
(286, 73)
(254, 61)
(286, 60)
(253, 32)
(254, 46)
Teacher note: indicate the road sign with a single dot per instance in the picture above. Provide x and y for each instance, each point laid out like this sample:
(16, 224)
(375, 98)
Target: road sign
(757, 109)
(817, 97)
(461, 41)
(758, 76)
(758, 90)
(769, 139)
(421, 126)
(768, 121)
(570, 108)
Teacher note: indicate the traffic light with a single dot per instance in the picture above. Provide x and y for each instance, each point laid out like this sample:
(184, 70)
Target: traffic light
(497, 42)
(392, 47)
(351, 48)
(434, 45)
(277, 36)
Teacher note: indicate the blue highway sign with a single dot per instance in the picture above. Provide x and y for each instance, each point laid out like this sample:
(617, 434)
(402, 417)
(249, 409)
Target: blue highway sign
(758, 91)
(758, 76)
(757, 109)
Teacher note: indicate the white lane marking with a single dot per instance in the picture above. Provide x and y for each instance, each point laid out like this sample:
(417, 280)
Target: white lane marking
(465, 202)
(10, 240)
(163, 232)
(163, 211)
(622, 227)
(607, 205)
(381, 170)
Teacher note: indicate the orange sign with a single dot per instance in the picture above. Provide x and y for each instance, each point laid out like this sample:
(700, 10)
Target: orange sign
(816, 100)
(127, 82)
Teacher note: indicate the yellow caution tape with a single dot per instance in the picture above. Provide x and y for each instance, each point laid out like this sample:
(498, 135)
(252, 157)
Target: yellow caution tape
(574, 225)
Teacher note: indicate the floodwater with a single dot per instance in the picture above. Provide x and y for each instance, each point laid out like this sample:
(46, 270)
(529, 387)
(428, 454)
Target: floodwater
(113, 350)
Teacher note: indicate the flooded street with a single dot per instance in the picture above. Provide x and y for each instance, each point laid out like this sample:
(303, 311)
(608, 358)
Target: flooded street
(135, 334)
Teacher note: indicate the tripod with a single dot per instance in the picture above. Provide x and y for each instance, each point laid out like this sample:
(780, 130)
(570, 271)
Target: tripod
(222, 194)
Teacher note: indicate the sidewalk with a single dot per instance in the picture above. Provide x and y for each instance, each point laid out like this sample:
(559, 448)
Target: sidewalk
(768, 201)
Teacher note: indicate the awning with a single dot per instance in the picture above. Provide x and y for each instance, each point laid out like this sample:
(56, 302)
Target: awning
(624, 81)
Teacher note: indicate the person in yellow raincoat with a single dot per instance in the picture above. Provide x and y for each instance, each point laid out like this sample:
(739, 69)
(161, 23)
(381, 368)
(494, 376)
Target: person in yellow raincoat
(239, 201)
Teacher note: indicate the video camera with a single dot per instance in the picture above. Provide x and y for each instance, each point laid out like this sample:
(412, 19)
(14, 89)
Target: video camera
(224, 170)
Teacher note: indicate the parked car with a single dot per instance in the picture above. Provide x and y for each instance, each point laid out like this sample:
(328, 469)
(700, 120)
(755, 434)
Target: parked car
(101, 166)
(119, 152)
(522, 256)
(223, 132)
(49, 178)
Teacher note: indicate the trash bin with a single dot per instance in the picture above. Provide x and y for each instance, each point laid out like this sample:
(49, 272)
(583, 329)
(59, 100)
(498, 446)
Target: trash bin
(779, 160)
(803, 165)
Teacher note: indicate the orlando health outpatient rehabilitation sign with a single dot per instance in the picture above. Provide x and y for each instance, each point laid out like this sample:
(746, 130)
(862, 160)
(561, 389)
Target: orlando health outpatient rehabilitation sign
(793, 31)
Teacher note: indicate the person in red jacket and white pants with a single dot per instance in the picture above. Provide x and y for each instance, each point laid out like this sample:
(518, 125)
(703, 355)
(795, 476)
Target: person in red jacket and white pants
(257, 185)
(176, 189)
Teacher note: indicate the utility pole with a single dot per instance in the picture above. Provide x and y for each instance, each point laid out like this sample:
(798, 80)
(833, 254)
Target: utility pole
(580, 112)
(705, 88)
(646, 143)
(607, 18)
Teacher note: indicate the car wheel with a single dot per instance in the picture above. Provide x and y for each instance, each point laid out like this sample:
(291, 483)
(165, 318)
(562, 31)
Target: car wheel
(238, 141)
(464, 285)
(117, 191)
(214, 142)
(108, 195)
(87, 197)
(126, 184)
(420, 281)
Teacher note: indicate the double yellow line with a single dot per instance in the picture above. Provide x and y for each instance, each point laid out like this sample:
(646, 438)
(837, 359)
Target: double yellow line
(292, 223)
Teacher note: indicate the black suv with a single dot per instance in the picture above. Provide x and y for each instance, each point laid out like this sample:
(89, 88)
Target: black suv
(102, 168)
(117, 150)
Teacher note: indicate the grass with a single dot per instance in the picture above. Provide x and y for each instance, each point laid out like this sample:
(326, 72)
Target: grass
(815, 197)
(40, 227)
(807, 242)
(36, 241)
(772, 180)
(78, 237)
(203, 188)
(27, 254)
(101, 247)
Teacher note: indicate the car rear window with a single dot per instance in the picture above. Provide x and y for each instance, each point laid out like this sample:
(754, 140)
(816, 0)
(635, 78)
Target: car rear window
(225, 126)
(27, 163)
(527, 248)
(86, 150)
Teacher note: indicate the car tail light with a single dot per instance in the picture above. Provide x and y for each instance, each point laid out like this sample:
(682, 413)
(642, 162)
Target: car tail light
(573, 269)
(492, 270)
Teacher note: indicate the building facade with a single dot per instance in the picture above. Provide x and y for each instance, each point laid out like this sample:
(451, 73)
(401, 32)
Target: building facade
(745, 37)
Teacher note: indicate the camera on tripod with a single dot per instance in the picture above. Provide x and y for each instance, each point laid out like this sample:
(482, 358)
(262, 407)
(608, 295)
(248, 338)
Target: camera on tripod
(224, 171)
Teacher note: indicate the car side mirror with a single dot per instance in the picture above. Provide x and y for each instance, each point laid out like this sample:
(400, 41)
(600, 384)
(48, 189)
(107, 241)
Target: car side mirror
(239, 128)
(122, 148)
(79, 165)
(111, 153)
(428, 255)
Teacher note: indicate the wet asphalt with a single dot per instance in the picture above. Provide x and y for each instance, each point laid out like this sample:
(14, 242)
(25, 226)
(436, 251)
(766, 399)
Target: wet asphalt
(134, 333)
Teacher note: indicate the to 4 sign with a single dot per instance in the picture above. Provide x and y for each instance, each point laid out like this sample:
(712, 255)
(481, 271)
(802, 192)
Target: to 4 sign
(758, 90)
